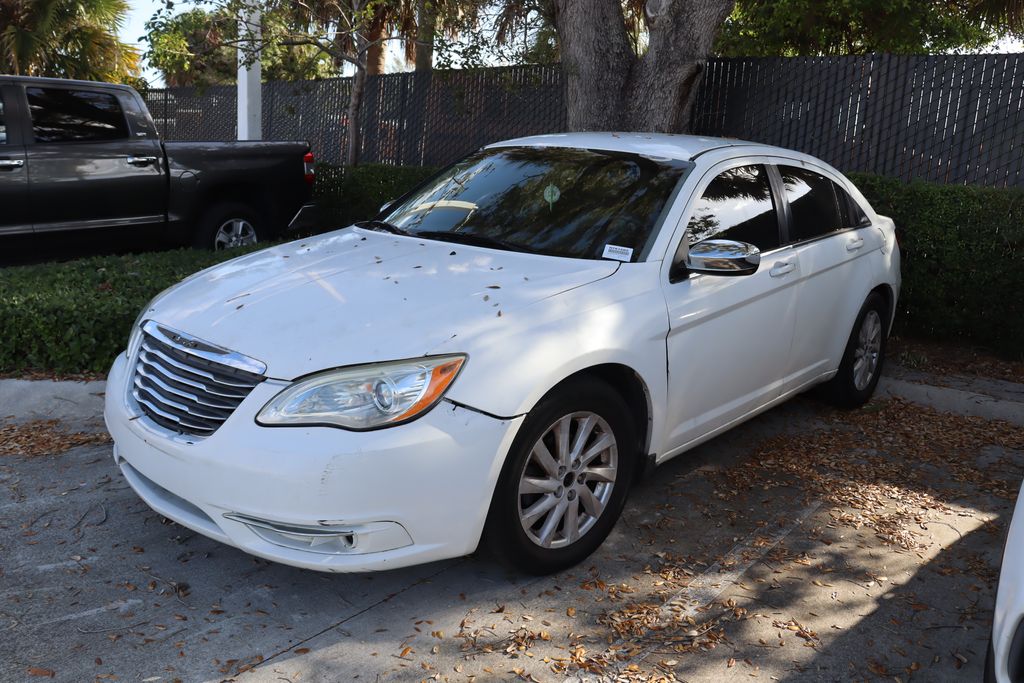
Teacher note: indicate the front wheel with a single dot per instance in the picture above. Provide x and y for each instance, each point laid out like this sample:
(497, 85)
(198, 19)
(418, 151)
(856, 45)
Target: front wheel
(861, 367)
(228, 225)
(565, 481)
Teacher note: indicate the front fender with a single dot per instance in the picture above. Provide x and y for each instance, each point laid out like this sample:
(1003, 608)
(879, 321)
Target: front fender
(619, 320)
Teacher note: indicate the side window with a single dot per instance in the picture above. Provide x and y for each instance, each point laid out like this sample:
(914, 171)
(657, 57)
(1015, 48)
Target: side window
(737, 205)
(60, 115)
(852, 215)
(3, 123)
(813, 203)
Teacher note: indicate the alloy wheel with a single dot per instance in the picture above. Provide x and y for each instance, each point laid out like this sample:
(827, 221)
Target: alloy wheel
(567, 480)
(866, 354)
(234, 232)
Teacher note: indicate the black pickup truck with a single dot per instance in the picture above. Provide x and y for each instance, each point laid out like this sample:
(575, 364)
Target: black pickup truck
(77, 155)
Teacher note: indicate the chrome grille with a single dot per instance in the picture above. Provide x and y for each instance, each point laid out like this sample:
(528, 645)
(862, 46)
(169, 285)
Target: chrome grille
(187, 385)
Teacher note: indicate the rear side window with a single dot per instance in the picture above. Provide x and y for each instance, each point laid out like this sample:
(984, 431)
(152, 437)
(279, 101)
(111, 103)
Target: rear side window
(852, 215)
(737, 205)
(60, 115)
(813, 202)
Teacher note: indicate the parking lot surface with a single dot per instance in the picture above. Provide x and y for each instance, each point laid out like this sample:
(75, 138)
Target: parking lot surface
(805, 545)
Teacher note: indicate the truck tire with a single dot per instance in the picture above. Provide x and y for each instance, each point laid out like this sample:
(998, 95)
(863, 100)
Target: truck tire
(228, 225)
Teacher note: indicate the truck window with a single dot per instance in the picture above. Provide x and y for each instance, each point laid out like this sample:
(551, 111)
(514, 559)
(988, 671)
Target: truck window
(61, 115)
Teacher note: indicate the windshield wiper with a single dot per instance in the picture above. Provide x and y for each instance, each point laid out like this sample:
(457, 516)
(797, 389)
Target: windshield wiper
(474, 239)
(382, 226)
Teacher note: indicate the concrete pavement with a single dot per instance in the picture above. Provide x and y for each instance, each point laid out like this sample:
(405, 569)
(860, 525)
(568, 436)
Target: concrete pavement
(729, 563)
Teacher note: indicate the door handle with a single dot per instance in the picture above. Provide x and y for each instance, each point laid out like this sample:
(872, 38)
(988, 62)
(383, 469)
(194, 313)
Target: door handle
(12, 163)
(141, 161)
(855, 244)
(781, 268)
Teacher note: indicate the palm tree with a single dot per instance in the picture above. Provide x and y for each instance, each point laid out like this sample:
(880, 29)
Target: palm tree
(66, 39)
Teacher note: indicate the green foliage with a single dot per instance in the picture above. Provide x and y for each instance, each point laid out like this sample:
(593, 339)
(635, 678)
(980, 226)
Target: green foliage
(198, 47)
(759, 28)
(66, 39)
(76, 316)
(346, 195)
(963, 271)
(963, 259)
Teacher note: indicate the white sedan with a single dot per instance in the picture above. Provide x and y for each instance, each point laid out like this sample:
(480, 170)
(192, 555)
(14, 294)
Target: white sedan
(1005, 661)
(502, 350)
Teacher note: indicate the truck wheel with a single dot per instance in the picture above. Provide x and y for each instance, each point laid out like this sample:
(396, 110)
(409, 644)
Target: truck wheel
(228, 225)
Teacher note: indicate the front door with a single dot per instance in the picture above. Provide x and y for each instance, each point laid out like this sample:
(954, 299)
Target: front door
(729, 337)
(15, 215)
(87, 167)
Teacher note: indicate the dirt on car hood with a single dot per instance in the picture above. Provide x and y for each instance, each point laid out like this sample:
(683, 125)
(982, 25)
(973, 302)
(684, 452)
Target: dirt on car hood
(357, 296)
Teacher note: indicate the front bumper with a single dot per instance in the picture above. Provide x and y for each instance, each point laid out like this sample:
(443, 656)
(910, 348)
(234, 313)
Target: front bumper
(1008, 620)
(318, 497)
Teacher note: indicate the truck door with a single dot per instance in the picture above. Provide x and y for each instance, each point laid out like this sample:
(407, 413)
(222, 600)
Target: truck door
(15, 215)
(89, 167)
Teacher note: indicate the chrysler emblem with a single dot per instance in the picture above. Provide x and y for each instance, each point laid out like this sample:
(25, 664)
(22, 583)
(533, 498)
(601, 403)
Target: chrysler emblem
(181, 341)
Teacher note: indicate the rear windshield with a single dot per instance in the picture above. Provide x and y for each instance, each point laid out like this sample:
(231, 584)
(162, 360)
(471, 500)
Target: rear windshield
(561, 201)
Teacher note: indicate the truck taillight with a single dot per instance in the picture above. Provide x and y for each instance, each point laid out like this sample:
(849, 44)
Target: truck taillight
(309, 167)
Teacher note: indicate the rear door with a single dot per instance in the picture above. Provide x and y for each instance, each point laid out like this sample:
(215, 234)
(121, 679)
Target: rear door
(89, 164)
(832, 237)
(14, 215)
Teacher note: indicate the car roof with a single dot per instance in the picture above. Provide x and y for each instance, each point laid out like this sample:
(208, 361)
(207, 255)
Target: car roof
(38, 80)
(666, 145)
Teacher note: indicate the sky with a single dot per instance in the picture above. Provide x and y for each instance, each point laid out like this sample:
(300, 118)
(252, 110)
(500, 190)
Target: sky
(142, 10)
(134, 28)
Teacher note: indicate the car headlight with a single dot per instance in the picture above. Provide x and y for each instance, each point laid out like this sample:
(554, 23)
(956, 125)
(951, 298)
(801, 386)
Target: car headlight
(364, 396)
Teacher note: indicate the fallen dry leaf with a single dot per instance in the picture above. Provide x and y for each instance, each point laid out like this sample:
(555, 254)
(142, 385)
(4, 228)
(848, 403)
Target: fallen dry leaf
(44, 437)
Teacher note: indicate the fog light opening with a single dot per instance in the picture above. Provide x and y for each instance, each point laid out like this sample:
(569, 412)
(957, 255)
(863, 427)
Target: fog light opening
(315, 539)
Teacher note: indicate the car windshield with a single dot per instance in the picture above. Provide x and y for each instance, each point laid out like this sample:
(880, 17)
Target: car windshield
(579, 203)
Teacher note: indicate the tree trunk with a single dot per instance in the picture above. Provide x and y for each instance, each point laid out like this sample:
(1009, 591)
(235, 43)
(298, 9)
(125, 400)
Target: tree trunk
(596, 59)
(607, 87)
(355, 106)
(376, 54)
(426, 29)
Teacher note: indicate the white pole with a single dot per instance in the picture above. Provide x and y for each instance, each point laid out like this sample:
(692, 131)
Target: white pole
(250, 101)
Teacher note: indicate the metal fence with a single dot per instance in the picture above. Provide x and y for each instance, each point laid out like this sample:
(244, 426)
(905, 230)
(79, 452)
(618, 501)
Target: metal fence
(950, 118)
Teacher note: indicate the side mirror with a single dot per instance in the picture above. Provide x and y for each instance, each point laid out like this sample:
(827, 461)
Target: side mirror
(723, 257)
(386, 205)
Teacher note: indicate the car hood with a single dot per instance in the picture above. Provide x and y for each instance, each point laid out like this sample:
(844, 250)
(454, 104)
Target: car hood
(357, 296)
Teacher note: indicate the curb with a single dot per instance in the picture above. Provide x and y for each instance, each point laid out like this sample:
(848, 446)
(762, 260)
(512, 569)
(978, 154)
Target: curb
(23, 400)
(950, 400)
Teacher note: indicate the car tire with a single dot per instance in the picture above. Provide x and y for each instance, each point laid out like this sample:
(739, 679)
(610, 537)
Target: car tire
(227, 225)
(990, 662)
(861, 367)
(539, 542)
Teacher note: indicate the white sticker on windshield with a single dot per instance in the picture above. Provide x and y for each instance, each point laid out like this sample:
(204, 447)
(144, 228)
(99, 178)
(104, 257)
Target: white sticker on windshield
(618, 253)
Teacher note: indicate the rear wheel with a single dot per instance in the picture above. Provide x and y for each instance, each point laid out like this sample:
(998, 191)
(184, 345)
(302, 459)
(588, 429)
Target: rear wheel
(565, 481)
(862, 362)
(228, 225)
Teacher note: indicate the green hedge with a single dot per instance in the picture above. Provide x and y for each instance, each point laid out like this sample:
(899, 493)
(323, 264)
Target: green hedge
(963, 272)
(963, 260)
(346, 196)
(75, 317)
